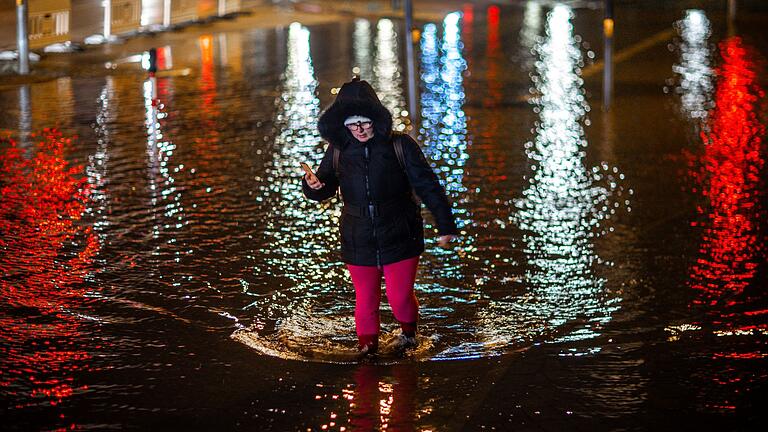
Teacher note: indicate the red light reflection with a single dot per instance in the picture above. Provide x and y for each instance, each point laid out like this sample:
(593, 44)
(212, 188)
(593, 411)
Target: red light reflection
(206, 145)
(468, 20)
(47, 253)
(727, 175)
(491, 160)
(494, 12)
(468, 13)
(728, 178)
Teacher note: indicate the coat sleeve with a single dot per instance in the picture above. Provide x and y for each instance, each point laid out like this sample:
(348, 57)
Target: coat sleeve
(426, 185)
(327, 175)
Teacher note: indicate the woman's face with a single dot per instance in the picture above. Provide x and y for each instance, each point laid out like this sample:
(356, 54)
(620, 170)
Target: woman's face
(362, 131)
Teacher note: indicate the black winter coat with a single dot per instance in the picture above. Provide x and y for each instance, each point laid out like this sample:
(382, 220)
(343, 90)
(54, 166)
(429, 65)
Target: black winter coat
(380, 224)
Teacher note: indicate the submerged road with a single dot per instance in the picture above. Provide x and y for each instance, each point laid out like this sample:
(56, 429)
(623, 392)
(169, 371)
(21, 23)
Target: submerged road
(161, 268)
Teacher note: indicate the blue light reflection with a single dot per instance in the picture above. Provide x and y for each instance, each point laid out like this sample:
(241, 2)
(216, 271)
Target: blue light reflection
(444, 124)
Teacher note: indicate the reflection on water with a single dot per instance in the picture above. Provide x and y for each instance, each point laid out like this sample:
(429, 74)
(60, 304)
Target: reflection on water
(529, 34)
(695, 73)
(362, 49)
(729, 175)
(47, 256)
(381, 66)
(25, 115)
(308, 315)
(388, 80)
(729, 180)
(377, 399)
(308, 302)
(165, 197)
(444, 125)
(443, 135)
(98, 164)
(565, 204)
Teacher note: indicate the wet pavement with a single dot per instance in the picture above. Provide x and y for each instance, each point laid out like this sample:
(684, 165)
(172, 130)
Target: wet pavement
(161, 268)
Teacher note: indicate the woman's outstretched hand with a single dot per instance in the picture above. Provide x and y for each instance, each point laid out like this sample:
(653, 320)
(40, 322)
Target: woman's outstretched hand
(313, 182)
(444, 240)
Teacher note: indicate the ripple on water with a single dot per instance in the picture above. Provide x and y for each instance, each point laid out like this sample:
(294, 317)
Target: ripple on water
(478, 302)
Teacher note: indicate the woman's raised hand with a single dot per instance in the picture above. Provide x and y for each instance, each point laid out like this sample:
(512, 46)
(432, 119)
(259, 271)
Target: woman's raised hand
(313, 182)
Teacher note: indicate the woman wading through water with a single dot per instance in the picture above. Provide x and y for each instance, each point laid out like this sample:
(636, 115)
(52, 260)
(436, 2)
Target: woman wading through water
(382, 230)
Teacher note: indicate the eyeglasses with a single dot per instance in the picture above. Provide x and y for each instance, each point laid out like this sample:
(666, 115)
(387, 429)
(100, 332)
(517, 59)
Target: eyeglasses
(357, 127)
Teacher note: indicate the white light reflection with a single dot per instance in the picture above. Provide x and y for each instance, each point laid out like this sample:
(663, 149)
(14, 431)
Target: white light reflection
(694, 69)
(529, 34)
(97, 169)
(563, 206)
(302, 236)
(362, 49)
(387, 76)
(165, 198)
(297, 141)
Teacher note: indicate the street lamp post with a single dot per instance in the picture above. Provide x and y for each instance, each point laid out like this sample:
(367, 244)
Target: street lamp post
(608, 52)
(22, 36)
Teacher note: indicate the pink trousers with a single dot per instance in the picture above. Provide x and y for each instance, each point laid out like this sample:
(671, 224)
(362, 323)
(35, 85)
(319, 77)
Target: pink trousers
(399, 278)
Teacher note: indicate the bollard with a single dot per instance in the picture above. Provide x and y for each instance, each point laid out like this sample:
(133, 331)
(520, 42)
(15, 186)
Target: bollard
(22, 36)
(152, 69)
(410, 63)
(608, 48)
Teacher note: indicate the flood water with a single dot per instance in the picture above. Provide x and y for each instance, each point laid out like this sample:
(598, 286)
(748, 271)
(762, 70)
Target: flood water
(161, 268)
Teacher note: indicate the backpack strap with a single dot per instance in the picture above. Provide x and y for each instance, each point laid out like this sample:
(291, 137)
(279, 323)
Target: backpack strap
(336, 156)
(398, 144)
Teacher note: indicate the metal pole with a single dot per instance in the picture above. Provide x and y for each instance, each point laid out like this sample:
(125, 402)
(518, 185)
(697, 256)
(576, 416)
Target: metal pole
(107, 18)
(608, 48)
(22, 36)
(410, 63)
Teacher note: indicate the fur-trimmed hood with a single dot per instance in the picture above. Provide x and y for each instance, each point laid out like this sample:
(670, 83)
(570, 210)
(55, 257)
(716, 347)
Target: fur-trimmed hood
(356, 97)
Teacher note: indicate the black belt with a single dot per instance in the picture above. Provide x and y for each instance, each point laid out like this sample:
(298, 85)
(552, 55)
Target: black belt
(386, 208)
